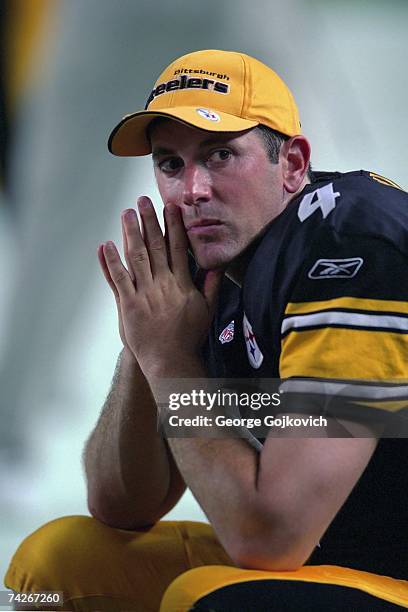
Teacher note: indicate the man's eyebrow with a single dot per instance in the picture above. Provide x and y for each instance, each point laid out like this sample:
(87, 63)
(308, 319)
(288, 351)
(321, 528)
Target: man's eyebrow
(216, 139)
(158, 151)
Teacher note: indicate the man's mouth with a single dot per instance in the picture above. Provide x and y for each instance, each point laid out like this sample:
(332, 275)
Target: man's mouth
(200, 226)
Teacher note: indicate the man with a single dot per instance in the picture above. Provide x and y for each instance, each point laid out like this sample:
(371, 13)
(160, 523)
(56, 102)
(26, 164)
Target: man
(315, 264)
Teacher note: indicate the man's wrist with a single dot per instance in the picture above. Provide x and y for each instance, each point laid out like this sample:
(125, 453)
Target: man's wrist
(128, 358)
(181, 365)
(130, 366)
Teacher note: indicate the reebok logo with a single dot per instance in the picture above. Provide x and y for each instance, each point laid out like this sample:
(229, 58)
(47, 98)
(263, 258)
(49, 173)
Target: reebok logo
(185, 82)
(335, 268)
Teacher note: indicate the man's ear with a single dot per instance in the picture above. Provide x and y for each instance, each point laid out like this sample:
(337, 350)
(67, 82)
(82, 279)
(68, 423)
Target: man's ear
(296, 157)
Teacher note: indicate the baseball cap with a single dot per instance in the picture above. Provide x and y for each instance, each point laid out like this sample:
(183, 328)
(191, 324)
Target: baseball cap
(216, 91)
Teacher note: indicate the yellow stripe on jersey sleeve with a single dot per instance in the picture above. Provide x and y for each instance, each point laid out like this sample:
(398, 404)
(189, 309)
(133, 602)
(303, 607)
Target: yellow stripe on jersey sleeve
(343, 353)
(352, 303)
(384, 180)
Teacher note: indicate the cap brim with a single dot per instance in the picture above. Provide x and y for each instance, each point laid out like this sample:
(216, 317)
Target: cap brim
(129, 137)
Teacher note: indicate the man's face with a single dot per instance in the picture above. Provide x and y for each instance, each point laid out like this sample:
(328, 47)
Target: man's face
(224, 183)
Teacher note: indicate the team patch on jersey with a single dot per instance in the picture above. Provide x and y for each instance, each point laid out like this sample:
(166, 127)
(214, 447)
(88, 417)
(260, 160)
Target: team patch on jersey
(254, 353)
(227, 334)
(335, 268)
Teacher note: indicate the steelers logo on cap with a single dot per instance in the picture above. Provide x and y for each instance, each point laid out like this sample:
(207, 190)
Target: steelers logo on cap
(207, 114)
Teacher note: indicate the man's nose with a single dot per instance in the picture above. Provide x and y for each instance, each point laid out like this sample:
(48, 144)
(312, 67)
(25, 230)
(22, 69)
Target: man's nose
(197, 185)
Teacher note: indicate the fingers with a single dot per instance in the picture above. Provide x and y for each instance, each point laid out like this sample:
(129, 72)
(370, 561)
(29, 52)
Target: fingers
(177, 244)
(122, 283)
(136, 255)
(108, 277)
(126, 248)
(145, 255)
(105, 270)
(153, 237)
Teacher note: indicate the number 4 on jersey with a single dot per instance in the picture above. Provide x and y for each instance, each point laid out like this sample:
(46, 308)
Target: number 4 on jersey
(323, 198)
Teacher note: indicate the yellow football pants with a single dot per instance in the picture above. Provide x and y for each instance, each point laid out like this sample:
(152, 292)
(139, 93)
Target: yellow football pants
(100, 568)
(113, 570)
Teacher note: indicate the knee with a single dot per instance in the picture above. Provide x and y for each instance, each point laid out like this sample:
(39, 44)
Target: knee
(57, 548)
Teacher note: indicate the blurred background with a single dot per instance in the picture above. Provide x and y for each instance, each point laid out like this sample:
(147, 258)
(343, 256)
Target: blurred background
(69, 70)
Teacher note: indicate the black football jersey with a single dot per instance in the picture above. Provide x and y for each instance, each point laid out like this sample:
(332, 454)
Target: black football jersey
(324, 304)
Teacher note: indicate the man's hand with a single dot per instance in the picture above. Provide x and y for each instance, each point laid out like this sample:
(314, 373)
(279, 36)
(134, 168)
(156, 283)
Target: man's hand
(105, 270)
(163, 318)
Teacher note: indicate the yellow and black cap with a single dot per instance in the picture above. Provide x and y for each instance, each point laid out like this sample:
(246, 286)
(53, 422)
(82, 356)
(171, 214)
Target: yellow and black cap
(216, 91)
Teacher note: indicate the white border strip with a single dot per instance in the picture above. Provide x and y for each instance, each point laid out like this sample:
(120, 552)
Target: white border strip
(333, 317)
(361, 391)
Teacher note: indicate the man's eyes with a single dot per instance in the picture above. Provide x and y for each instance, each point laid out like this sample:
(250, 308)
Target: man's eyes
(220, 155)
(172, 164)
